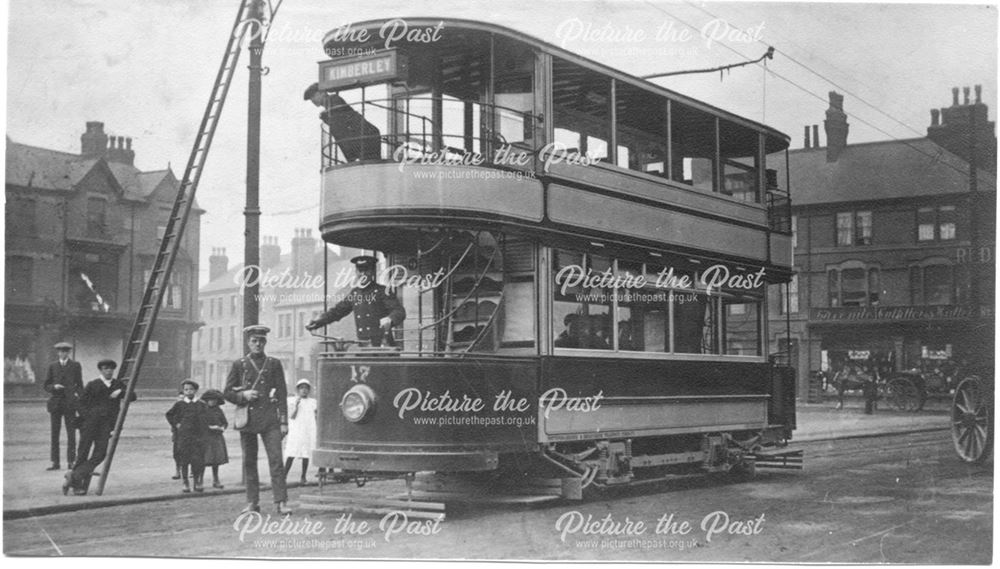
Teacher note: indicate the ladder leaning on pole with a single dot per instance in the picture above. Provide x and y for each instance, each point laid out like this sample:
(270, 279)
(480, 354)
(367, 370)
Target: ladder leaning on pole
(152, 298)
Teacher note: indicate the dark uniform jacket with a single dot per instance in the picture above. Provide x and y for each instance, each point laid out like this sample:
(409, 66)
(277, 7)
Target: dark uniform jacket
(70, 376)
(264, 374)
(357, 138)
(369, 304)
(96, 403)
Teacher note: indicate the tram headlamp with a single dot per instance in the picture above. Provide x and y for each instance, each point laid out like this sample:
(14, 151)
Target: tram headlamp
(357, 403)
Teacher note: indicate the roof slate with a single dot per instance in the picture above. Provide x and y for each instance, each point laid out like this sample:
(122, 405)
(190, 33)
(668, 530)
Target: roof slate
(877, 171)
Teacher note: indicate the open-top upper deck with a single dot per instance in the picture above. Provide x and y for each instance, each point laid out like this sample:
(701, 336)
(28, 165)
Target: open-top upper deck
(442, 121)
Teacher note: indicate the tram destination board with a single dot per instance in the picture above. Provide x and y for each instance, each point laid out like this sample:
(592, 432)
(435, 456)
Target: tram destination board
(359, 70)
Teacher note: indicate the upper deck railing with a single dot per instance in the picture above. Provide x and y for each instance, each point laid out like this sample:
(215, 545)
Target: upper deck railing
(420, 139)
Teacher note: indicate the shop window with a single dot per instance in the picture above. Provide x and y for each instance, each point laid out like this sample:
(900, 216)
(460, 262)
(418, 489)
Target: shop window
(854, 228)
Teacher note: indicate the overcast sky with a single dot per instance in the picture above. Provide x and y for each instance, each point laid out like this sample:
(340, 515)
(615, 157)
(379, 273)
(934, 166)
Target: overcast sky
(145, 69)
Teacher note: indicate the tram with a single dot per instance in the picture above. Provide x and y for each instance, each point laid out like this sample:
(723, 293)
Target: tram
(583, 257)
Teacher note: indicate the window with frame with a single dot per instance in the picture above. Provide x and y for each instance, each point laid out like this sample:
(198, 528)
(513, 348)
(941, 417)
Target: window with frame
(854, 228)
(853, 284)
(19, 277)
(938, 282)
(97, 217)
(20, 215)
(936, 223)
(789, 296)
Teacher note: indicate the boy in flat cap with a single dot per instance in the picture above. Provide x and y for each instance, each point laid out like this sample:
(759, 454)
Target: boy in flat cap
(376, 311)
(64, 384)
(99, 406)
(187, 419)
(257, 382)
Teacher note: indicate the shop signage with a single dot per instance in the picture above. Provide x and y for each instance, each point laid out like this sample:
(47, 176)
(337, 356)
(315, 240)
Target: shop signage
(974, 255)
(362, 70)
(886, 313)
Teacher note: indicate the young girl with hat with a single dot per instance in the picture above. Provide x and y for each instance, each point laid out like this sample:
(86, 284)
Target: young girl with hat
(301, 427)
(215, 443)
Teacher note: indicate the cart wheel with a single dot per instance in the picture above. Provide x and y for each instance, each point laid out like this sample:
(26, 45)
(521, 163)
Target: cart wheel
(903, 394)
(972, 421)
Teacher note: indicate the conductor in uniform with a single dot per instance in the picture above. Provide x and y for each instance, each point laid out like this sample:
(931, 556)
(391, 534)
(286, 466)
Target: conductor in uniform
(376, 311)
(257, 382)
(64, 384)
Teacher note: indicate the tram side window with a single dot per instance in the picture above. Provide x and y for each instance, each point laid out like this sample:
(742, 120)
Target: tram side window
(581, 314)
(695, 323)
(741, 327)
(514, 96)
(642, 312)
(693, 147)
(740, 162)
(641, 130)
(582, 106)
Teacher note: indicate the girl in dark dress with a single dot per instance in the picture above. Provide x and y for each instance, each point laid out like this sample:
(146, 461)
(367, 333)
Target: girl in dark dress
(187, 417)
(215, 425)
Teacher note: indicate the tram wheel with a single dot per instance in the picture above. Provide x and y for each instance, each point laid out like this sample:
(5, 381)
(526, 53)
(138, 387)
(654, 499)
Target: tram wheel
(972, 421)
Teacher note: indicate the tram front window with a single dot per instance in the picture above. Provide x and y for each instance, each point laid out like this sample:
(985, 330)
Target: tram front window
(468, 292)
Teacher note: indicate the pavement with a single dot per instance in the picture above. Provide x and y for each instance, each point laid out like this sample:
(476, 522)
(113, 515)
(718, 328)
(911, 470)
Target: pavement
(143, 465)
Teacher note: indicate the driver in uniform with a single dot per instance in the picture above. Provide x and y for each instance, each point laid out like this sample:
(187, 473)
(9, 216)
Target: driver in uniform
(376, 310)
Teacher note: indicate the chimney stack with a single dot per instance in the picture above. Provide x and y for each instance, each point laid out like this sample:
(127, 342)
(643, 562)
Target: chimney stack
(120, 150)
(934, 117)
(218, 263)
(303, 252)
(954, 96)
(816, 143)
(93, 142)
(979, 94)
(808, 139)
(836, 127)
(270, 253)
(965, 91)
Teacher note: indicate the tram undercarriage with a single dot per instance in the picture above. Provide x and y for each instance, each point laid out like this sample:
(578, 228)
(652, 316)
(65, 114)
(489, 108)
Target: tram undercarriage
(569, 470)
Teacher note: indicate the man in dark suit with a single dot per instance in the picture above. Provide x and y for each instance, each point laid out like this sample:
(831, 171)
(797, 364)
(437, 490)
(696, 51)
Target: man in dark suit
(376, 311)
(257, 382)
(99, 406)
(64, 384)
(357, 138)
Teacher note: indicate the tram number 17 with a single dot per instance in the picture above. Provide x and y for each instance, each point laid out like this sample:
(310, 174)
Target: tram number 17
(359, 373)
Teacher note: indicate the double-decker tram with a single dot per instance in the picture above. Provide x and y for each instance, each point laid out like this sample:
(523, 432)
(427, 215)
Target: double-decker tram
(583, 258)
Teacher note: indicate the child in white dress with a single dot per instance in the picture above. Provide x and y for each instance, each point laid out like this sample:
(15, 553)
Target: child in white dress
(301, 439)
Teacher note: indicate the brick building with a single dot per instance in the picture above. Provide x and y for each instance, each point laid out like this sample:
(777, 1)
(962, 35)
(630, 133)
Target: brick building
(291, 294)
(893, 246)
(82, 232)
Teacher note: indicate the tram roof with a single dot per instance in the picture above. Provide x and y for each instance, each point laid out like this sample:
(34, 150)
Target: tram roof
(488, 28)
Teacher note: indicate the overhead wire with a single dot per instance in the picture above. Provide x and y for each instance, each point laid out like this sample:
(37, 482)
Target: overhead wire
(936, 158)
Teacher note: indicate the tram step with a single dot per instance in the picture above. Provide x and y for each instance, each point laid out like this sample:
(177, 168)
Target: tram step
(348, 502)
(481, 498)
